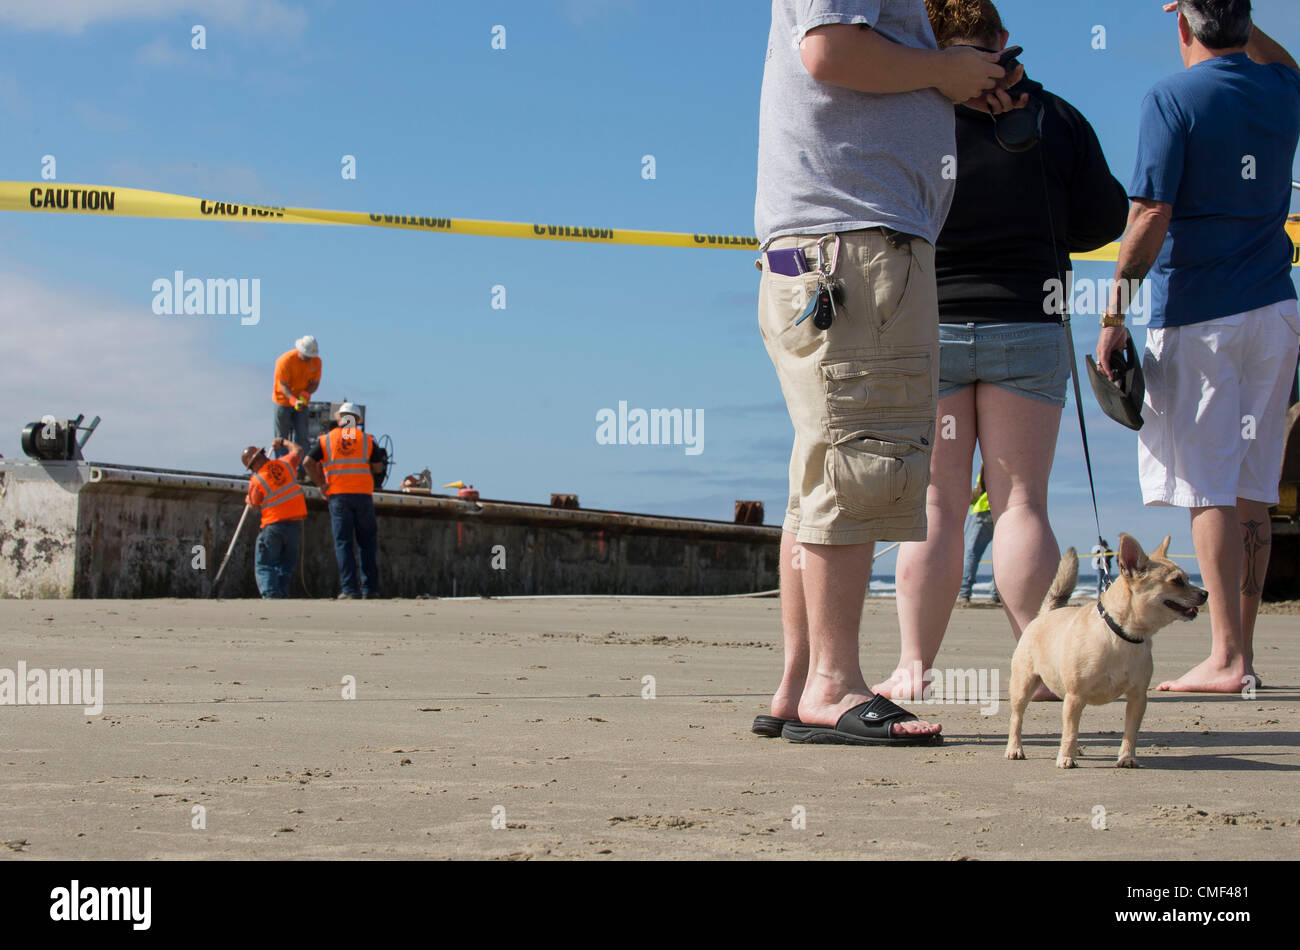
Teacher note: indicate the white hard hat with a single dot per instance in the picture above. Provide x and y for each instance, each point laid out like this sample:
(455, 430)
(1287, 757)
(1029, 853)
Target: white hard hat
(349, 409)
(307, 346)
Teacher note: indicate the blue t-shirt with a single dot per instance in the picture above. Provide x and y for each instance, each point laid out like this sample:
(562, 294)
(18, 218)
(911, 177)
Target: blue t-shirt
(1218, 142)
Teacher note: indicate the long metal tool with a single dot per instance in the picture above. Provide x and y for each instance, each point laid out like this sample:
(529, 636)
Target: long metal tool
(216, 581)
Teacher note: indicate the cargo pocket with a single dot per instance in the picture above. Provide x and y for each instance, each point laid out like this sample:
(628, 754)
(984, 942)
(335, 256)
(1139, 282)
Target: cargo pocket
(855, 387)
(883, 470)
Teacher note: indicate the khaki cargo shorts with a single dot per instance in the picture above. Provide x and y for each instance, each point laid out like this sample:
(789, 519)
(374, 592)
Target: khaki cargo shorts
(862, 394)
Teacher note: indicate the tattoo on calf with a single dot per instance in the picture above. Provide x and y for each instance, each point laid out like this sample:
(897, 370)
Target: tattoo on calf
(1251, 582)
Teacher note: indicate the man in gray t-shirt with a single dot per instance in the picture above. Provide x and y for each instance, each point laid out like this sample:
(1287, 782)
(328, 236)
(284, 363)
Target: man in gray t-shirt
(836, 159)
(857, 157)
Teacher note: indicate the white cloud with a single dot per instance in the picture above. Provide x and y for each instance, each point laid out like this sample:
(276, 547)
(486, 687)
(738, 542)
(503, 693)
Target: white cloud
(166, 401)
(265, 17)
(160, 52)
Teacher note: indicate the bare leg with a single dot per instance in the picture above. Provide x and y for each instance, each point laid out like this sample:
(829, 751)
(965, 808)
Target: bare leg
(1071, 712)
(1257, 544)
(1018, 443)
(1217, 537)
(1135, 707)
(834, 585)
(929, 571)
(794, 627)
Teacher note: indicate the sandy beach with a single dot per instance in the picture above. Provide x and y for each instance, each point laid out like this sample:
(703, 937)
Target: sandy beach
(498, 729)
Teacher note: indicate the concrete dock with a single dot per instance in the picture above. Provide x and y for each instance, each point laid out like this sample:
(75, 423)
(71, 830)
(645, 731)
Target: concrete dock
(96, 530)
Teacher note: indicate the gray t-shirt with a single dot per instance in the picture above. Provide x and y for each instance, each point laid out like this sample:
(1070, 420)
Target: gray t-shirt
(832, 159)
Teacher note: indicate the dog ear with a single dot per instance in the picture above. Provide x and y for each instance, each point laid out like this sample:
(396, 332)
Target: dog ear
(1163, 550)
(1132, 559)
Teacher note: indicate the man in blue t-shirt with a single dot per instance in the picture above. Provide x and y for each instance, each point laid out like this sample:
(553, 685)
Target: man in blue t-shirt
(1210, 199)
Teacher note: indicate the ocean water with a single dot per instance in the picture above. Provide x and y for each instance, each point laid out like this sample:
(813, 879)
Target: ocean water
(882, 585)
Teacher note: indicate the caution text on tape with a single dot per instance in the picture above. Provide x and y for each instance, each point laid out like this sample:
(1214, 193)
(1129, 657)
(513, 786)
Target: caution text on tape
(50, 198)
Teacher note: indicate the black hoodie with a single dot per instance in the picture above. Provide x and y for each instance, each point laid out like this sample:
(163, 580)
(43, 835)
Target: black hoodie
(995, 251)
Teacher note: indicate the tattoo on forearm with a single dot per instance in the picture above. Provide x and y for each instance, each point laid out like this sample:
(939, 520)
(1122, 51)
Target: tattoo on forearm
(1256, 560)
(1129, 283)
(1136, 270)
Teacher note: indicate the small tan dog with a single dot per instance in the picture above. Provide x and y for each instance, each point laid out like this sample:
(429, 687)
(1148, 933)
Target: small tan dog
(1093, 655)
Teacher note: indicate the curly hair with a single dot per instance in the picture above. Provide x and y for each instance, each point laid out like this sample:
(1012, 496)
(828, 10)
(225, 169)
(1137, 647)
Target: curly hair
(955, 20)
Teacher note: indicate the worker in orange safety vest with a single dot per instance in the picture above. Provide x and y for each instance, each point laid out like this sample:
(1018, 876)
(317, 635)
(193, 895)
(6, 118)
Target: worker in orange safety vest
(343, 463)
(274, 488)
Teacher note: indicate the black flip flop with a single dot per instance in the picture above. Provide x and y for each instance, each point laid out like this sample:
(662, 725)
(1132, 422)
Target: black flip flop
(769, 727)
(865, 724)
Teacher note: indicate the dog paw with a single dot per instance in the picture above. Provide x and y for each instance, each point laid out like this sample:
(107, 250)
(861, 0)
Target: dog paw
(1065, 762)
(1126, 762)
(1016, 753)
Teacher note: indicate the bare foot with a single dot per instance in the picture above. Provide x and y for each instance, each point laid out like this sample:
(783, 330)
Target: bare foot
(1210, 676)
(901, 685)
(828, 710)
(785, 706)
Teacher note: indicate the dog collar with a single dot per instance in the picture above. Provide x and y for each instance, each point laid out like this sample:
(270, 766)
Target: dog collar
(1116, 628)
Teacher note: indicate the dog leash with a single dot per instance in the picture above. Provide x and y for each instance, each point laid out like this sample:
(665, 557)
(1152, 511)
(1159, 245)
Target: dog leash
(1104, 571)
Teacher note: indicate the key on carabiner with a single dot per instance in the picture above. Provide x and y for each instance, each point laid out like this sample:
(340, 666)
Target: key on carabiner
(814, 304)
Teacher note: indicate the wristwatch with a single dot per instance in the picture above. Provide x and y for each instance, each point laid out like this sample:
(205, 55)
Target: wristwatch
(1112, 320)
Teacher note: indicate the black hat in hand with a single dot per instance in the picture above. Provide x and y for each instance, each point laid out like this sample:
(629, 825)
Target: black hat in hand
(1120, 398)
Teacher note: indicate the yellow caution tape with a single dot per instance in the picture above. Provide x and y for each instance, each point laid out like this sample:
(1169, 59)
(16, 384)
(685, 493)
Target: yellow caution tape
(59, 198)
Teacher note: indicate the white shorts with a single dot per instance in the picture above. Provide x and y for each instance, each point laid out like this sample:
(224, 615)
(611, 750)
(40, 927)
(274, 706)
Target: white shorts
(1215, 408)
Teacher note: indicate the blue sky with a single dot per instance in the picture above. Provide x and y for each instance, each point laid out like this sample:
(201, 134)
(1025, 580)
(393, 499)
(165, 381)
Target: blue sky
(552, 128)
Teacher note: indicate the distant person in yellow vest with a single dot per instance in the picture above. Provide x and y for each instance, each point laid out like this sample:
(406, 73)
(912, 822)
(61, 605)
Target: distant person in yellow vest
(979, 532)
(297, 376)
(343, 463)
(274, 488)
(1101, 561)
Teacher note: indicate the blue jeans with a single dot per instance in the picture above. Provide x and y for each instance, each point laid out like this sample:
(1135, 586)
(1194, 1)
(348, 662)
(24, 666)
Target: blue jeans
(354, 515)
(276, 557)
(291, 424)
(979, 532)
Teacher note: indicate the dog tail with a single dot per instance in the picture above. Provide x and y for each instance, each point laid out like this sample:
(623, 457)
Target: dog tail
(1067, 574)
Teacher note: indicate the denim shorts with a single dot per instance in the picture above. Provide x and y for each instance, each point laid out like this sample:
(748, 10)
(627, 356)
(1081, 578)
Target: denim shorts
(1028, 359)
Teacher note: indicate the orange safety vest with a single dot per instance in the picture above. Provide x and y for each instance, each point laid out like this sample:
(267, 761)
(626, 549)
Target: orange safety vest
(347, 462)
(283, 499)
